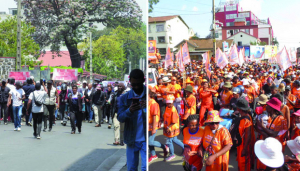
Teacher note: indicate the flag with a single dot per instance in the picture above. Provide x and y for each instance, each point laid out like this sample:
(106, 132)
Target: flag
(168, 59)
(206, 62)
(293, 54)
(180, 60)
(241, 58)
(221, 59)
(233, 56)
(186, 54)
(283, 60)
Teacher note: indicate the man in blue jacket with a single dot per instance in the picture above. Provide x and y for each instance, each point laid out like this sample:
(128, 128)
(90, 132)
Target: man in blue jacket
(132, 112)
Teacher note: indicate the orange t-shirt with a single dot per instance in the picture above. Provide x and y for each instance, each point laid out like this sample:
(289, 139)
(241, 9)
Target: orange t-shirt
(171, 117)
(226, 97)
(216, 88)
(153, 110)
(221, 139)
(193, 140)
(250, 93)
(191, 100)
(296, 93)
(164, 89)
(206, 97)
(157, 90)
(297, 133)
(279, 124)
(177, 87)
(161, 70)
(236, 84)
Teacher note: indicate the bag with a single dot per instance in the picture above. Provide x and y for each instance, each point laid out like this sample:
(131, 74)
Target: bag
(206, 153)
(234, 131)
(37, 103)
(186, 165)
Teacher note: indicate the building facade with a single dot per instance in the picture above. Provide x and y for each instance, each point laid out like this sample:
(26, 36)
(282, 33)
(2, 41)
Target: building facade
(231, 19)
(168, 31)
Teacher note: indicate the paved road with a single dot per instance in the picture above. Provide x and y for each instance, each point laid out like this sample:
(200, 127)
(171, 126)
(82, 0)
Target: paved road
(59, 149)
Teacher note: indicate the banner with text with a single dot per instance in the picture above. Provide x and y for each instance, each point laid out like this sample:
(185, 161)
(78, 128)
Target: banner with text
(186, 54)
(65, 74)
(257, 51)
(19, 76)
(270, 52)
(151, 49)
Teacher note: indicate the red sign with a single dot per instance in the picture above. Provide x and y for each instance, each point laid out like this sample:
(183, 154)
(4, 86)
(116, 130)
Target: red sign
(65, 74)
(19, 76)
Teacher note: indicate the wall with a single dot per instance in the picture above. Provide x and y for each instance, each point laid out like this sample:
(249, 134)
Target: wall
(245, 39)
(7, 64)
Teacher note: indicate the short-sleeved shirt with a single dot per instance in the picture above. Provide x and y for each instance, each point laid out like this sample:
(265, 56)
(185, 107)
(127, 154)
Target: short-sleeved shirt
(16, 94)
(292, 98)
(191, 100)
(177, 87)
(153, 110)
(163, 90)
(250, 93)
(170, 117)
(206, 97)
(226, 97)
(278, 125)
(38, 95)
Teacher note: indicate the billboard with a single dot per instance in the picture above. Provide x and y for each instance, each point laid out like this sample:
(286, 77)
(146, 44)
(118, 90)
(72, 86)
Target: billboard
(270, 52)
(151, 49)
(247, 50)
(225, 47)
(257, 51)
(65, 74)
(19, 76)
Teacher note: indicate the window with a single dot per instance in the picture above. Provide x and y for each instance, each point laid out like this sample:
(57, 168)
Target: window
(150, 38)
(251, 32)
(230, 24)
(14, 12)
(247, 31)
(217, 35)
(149, 28)
(160, 28)
(240, 44)
(231, 8)
(170, 40)
(244, 14)
(161, 39)
(151, 78)
(248, 23)
(243, 30)
(236, 31)
(231, 16)
(162, 51)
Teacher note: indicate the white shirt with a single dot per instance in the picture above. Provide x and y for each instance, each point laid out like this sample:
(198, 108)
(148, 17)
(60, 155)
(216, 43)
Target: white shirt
(16, 94)
(89, 92)
(40, 95)
(10, 86)
(277, 82)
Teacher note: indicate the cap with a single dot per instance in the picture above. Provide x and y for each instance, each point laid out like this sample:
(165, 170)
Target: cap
(84, 82)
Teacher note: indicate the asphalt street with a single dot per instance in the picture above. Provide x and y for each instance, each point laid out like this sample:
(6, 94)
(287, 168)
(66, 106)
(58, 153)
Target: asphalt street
(59, 149)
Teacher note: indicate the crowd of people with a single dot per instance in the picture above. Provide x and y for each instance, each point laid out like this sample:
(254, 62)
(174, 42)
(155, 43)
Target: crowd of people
(252, 108)
(35, 102)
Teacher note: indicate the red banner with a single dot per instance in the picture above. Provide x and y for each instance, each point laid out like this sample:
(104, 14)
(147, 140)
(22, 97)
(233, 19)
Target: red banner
(19, 76)
(65, 74)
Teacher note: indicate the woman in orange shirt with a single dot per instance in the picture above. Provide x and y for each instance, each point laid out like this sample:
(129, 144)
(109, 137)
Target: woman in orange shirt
(192, 136)
(154, 124)
(171, 127)
(206, 103)
(296, 125)
(217, 142)
(189, 103)
(226, 95)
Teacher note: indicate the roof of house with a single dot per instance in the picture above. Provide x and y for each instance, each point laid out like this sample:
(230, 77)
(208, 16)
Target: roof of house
(164, 19)
(242, 33)
(52, 59)
(204, 43)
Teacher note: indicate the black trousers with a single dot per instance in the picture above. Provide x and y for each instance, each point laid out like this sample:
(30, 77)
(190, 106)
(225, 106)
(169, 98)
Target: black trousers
(107, 112)
(25, 109)
(61, 109)
(78, 117)
(51, 111)
(37, 123)
(4, 111)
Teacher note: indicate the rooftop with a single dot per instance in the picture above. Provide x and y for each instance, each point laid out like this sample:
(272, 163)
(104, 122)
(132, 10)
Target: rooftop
(161, 18)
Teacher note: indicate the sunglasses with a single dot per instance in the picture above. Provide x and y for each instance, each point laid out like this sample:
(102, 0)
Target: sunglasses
(213, 123)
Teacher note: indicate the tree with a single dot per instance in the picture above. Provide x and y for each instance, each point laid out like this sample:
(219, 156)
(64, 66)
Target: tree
(260, 43)
(275, 42)
(63, 22)
(8, 40)
(151, 3)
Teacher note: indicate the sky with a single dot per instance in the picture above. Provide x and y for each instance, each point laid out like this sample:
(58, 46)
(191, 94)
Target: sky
(5, 4)
(284, 16)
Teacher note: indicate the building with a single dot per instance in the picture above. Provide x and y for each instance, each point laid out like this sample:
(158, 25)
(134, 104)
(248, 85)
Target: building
(168, 31)
(231, 19)
(198, 46)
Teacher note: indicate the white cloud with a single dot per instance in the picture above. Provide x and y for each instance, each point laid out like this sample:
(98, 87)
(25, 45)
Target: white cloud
(183, 7)
(252, 5)
(195, 9)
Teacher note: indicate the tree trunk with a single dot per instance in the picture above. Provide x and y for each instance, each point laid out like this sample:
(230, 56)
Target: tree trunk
(74, 55)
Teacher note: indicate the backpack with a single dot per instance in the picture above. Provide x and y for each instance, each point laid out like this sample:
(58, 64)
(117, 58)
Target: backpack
(234, 131)
(37, 103)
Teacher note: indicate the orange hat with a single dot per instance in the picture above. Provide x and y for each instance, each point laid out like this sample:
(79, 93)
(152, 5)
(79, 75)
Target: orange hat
(190, 82)
(213, 116)
(204, 80)
(170, 99)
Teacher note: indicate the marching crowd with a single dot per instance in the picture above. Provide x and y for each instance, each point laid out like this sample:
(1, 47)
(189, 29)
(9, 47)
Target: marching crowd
(49, 101)
(253, 108)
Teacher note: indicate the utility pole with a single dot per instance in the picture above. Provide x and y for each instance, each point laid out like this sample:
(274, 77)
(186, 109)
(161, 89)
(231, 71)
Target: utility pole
(91, 57)
(19, 50)
(214, 28)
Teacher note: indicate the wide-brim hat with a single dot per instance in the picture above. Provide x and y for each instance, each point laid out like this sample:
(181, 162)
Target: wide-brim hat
(213, 116)
(189, 88)
(227, 85)
(189, 82)
(242, 104)
(274, 103)
(297, 113)
(294, 146)
(262, 99)
(269, 152)
(166, 80)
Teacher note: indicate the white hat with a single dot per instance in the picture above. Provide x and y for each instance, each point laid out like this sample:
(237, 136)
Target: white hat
(269, 152)
(294, 146)
(245, 82)
(294, 76)
(169, 74)
(175, 70)
(32, 77)
(250, 76)
(84, 81)
(166, 80)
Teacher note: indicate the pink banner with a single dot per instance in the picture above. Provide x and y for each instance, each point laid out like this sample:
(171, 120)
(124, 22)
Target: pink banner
(168, 59)
(186, 54)
(206, 62)
(221, 59)
(283, 60)
(234, 57)
(180, 60)
(65, 74)
(19, 76)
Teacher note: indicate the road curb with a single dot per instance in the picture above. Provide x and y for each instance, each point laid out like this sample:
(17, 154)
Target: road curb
(120, 164)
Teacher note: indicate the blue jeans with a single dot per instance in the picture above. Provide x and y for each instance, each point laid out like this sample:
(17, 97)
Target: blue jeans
(56, 111)
(17, 111)
(132, 154)
(88, 108)
(152, 144)
(169, 143)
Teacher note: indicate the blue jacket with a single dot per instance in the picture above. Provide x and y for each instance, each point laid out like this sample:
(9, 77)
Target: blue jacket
(130, 119)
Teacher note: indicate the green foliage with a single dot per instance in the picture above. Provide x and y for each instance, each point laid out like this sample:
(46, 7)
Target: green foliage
(151, 3)
(8, 40)
(275, 42)
(260, 44)
(80, 70)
